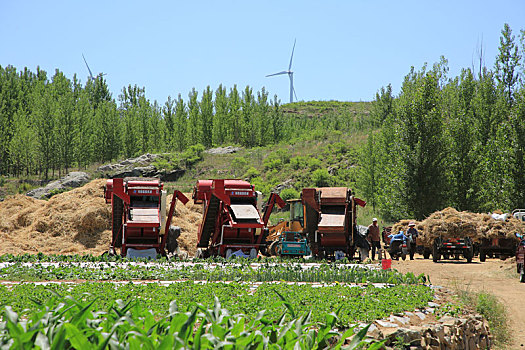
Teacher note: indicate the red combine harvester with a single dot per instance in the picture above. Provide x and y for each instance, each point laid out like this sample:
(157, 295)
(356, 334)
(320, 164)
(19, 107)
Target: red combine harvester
(330, 220)
(139, 221)
(231, 223)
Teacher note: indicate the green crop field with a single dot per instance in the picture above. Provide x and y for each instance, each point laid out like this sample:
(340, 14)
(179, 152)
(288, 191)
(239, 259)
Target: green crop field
(109, 302)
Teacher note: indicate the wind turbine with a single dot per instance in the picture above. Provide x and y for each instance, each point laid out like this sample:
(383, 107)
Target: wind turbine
(290, 75)
(91, 74)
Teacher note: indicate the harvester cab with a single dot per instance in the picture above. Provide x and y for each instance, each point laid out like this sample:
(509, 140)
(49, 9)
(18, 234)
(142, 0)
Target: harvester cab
(231, 223)
(331, 220)
(140, 227)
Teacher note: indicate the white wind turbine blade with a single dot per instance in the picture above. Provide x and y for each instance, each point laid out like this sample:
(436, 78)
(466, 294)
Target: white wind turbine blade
(291, 57)
(283, 72)
(90, 74)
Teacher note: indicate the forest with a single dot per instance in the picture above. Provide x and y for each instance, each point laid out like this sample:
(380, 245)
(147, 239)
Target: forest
(450, 141)
(48, 126)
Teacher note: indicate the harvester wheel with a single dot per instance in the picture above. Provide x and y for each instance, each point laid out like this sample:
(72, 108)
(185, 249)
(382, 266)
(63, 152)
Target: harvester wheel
(173, 234)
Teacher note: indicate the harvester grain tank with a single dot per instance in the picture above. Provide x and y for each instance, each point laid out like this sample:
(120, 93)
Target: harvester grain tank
(330, 220)
(231, 223)
(140, 227)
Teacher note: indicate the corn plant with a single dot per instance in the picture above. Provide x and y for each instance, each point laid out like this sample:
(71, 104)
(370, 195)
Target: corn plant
(73, 324)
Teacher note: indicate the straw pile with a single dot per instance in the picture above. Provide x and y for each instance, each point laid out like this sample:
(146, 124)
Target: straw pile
(187, 217)
(74, 222)
(450, 223)
(403, 226)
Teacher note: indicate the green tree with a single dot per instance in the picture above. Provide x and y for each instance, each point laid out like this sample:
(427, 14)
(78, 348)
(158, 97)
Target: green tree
(44, 122)
(195, 122)
(169, 119)
(507, 63)
(421, 138)
(220, 119)
(181, 125)
(206, 107)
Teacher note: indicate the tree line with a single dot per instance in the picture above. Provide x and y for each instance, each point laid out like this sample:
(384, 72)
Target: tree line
(450, 141)
(49, 125)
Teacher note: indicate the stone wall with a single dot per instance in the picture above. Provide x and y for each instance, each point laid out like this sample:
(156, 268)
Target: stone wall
(448, 333)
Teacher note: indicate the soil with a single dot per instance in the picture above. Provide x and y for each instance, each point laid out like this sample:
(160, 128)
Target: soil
(494, 276)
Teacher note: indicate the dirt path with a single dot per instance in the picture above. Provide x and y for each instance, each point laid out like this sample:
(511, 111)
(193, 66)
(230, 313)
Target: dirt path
(494, 276)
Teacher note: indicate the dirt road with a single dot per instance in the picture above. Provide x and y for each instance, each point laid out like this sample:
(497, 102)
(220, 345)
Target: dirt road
(494, 276)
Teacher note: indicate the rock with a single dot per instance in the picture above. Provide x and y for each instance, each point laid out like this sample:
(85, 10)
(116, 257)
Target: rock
(286, 184)
(127, 166)
(421, 315)
(72, 180)
(386, 324)
(432, 304)
(448, 321)
(172, 175)
(223, 150)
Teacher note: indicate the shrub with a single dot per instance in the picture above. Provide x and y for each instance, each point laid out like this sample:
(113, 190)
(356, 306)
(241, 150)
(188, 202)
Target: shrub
(314, 163)
(193, 154)
(321, 178)
(251, 173)
(289, 193)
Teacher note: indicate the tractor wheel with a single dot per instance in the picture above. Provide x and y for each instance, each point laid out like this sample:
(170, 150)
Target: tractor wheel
(278, 248)
(468, 255)
(435, 253)
(482, 256)
(173, 234)
(271, 248)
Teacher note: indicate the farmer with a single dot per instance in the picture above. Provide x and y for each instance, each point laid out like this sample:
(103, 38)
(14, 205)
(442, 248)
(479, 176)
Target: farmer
(412, 237)
(372, 235)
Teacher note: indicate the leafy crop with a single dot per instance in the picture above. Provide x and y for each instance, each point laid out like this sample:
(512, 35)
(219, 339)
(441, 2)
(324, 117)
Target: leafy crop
(354, 303)
(65, 322)
(232, 271)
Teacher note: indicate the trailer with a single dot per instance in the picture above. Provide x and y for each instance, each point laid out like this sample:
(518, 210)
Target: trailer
(139, 225)
(502, 248)
(231, 222)
(452, 247)
(330, 221)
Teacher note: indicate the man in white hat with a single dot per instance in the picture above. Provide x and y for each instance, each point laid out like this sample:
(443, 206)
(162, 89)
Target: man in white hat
(412, 236)
(373, 236)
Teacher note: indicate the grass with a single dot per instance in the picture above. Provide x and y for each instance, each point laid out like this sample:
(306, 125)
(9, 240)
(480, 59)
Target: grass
(488, 305)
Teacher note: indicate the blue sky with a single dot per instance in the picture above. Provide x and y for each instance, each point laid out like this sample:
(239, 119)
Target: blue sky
(346, 50)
